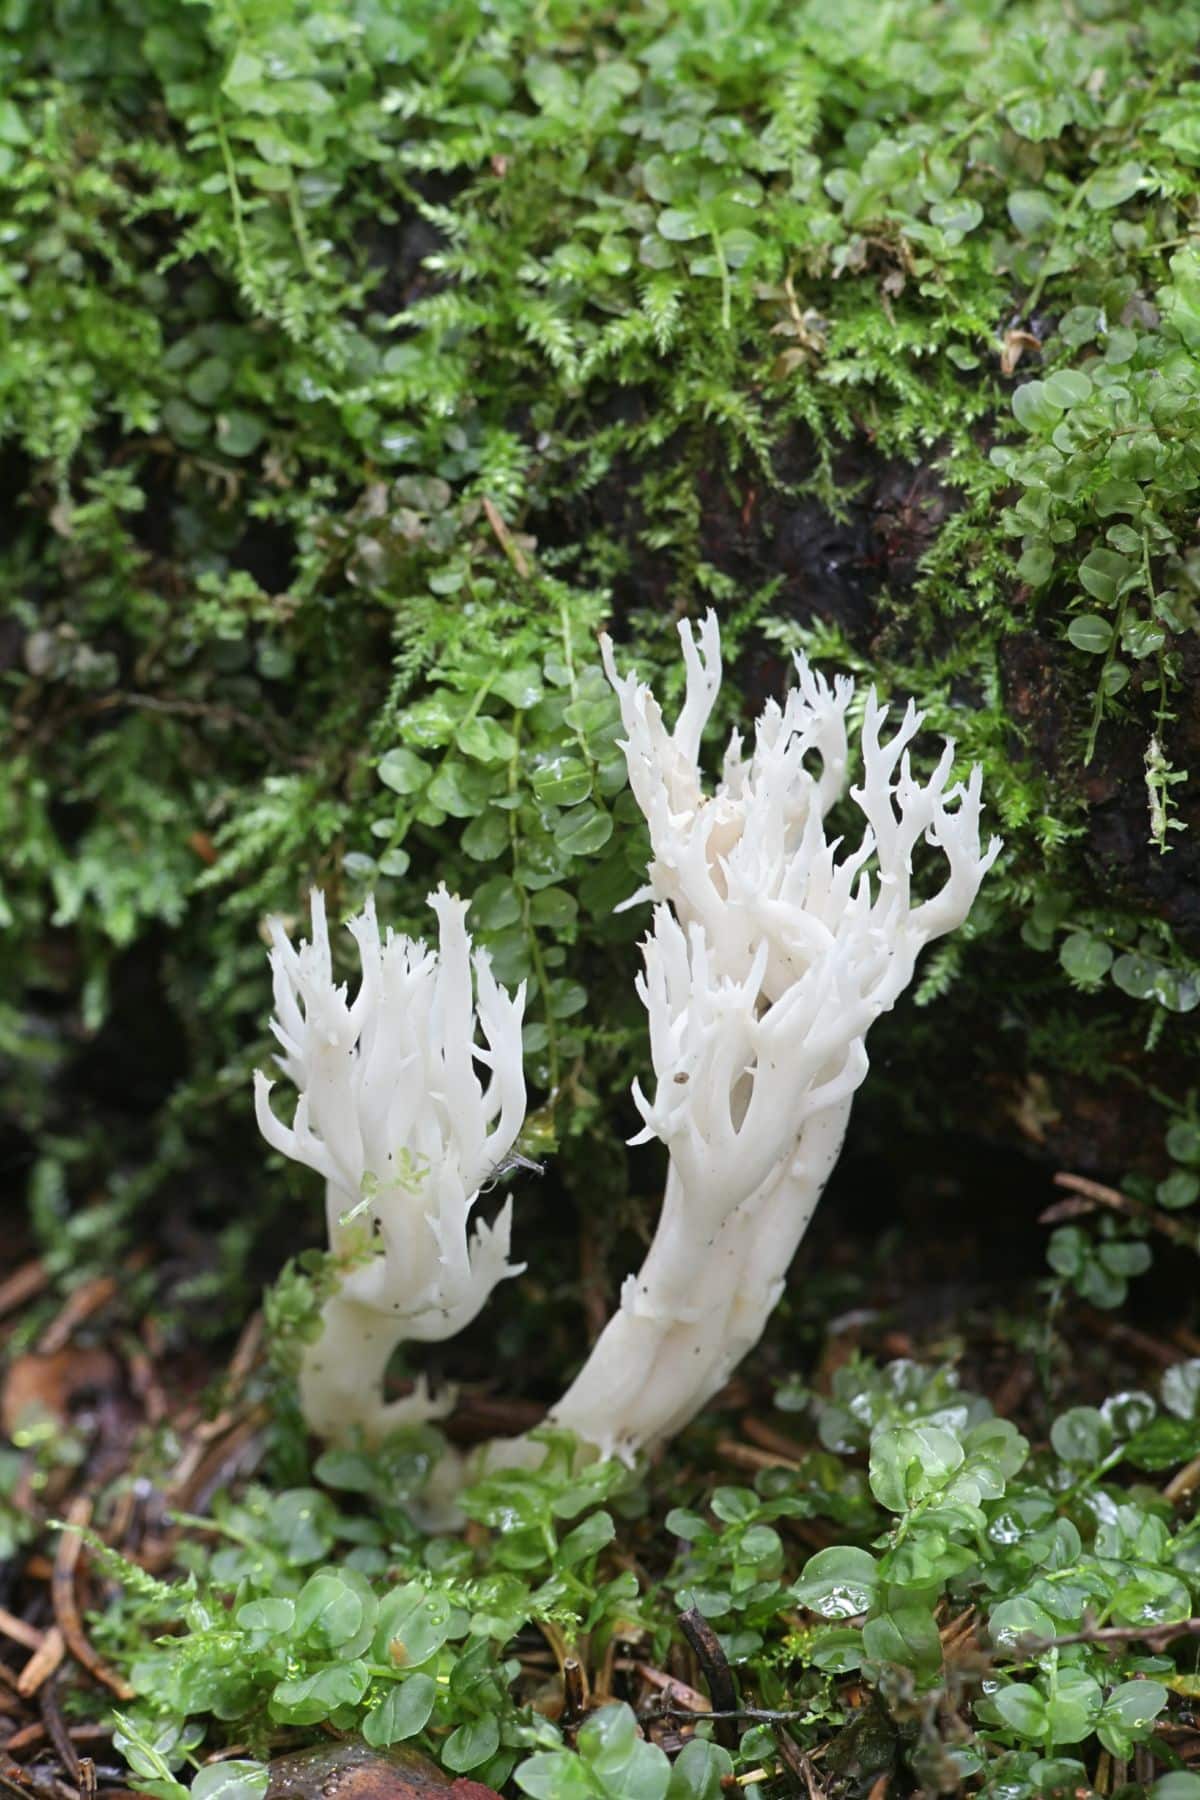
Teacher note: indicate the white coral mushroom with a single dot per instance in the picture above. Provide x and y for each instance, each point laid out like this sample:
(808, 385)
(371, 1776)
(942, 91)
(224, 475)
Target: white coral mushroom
(782, 952)
(752, 862)
(393, 1112)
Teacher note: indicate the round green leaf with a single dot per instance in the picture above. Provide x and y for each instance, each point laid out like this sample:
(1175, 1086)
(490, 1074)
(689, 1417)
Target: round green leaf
(1117, 497)
(562, 781)
(1103, 572)
(1067, 387)
(838, 1583)
(1180, 1189)
(233, 1780)
(699, 1771)
(1081, 1436)
(554, 908)
(583, 830)
(555, 1775)
(1032, 211)
(486, 837)
(1019, 1618)
(1032, 409)
(310, 1698)
(907, 1636)
(1022, 1708)
(520, 686)
(403, 772)
(185, 422)
(1143, 637)
(1086, 959)
(472, 1744)
(1135, 1703)
(273, 1615)
(1112, 187)
(837, 1650)
(496, 904)
(208, 380)
(1036, 564)
(679, 224)
(1137, 976)
(1090, 633)
(486, 740)
(412, 1626)
(239, 433)
(336, 1609)
(958, 214)
(1183, 1141)
(909, 1462)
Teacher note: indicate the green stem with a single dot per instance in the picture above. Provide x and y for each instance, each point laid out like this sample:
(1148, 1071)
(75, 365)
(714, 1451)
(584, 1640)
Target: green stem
(1045, 272)
(541, 977)
(235, 198)
(300, 229)
(983, 118)
(568, 644)
(726, 292)
(1101, 691)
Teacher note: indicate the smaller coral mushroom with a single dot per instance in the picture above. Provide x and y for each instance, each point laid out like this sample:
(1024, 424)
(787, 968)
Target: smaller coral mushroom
(393, 1113)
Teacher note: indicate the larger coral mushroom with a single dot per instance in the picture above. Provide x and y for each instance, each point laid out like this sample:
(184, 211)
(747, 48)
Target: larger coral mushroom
(758, 1015)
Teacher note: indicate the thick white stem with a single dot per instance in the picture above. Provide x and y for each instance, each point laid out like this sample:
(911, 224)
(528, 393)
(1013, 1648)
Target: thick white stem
(782, 1218)
(342, 1374)
(662, 1356)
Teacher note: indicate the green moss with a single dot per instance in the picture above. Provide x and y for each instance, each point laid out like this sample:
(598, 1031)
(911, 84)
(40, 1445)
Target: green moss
(363, 360)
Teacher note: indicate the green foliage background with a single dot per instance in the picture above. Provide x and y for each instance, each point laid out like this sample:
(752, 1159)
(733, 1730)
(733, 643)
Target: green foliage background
(360, 360)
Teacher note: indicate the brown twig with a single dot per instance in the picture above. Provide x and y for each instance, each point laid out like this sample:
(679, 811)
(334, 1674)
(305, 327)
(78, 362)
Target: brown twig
(29, 1781)
(745, 1456)
(792, 1756)
(24, 1284)
(1162, 1222)
(66, 1603)
(218, 1462)
(79, 1305)
(28, 1636)
(1156, 1636)
(813, 1787)
(575, 1697)
(666, 1709)
(1183, 1482)
(30, 1736)
(56, 1728)
(505, 539)
(787, 1449)
(186, 1475)
(669, 1686)
(42, 1663)
(956, 1633)
(706, 1647)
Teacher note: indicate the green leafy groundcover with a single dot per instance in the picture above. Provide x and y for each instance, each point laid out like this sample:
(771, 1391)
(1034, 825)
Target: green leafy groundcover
(358, 361)
(1003, 1603)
